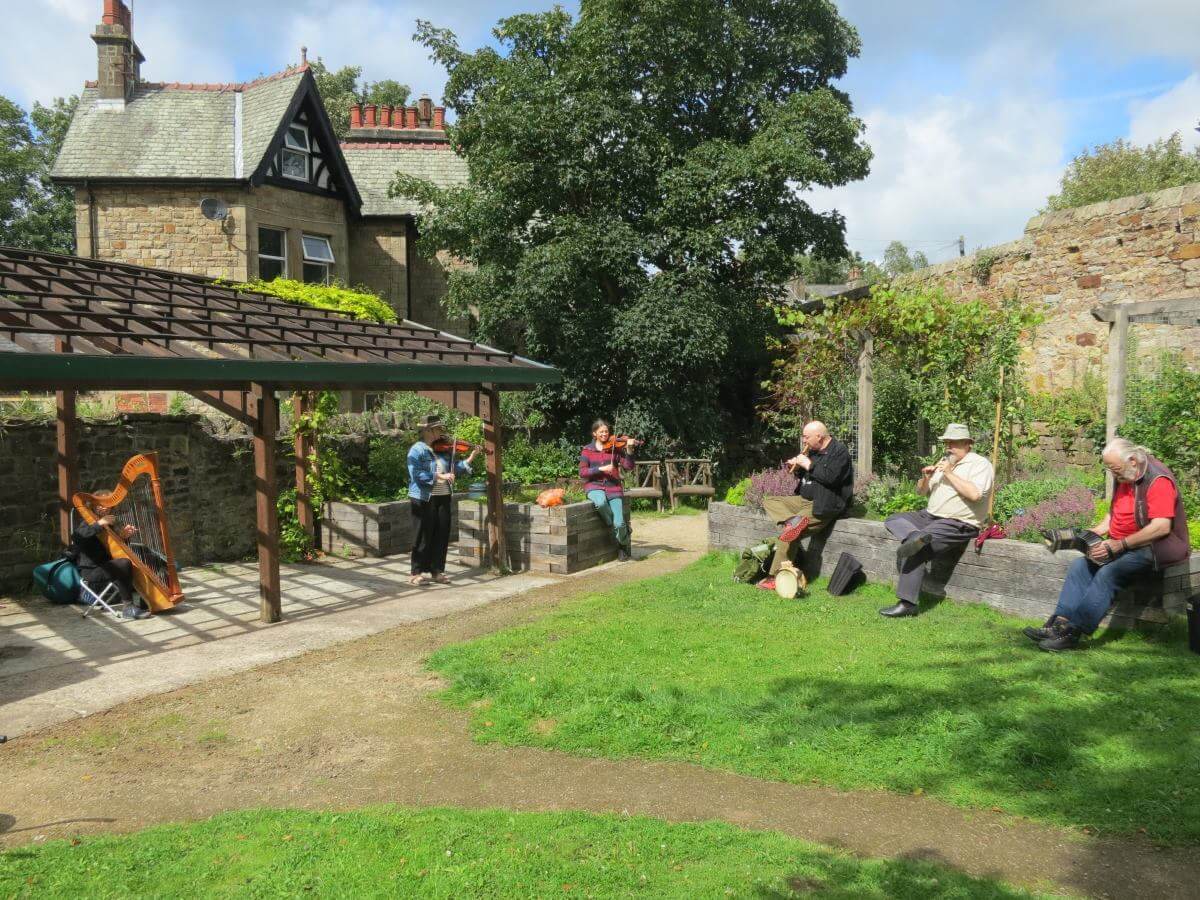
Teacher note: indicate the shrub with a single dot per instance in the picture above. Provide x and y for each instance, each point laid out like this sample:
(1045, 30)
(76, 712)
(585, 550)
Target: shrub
(358, 303)
(777, 482)
(1019, 496)
(887, 495)
(1073, 508)
(1068, 412)
(538, 463)
(1165, 420)
(387, 470)
(736, 495)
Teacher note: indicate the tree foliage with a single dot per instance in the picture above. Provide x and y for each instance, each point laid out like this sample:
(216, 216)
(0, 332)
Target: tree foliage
(824, 270)
(637, 191)
(898, 260)
(1122, 169)
(343, 88)
(34, 212)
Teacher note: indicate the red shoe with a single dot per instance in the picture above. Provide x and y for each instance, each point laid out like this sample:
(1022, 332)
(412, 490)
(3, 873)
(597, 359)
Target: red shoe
(795, 529)
(767, 584)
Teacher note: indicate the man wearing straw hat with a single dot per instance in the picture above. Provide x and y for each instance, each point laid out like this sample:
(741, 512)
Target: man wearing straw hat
(958, 489)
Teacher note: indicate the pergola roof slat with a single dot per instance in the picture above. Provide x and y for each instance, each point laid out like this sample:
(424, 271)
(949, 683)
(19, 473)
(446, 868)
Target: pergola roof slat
(232, 337)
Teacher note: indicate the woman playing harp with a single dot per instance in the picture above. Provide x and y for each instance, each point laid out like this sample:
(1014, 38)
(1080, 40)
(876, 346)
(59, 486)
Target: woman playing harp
(98, 568)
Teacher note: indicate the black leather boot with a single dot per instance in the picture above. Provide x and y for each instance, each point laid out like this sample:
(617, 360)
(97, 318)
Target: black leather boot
(900, 610)
(1068, 639)
(1054, 626)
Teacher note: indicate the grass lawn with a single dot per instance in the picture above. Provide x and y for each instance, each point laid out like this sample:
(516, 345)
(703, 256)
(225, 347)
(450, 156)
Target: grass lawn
(388, 852)
(956, 704)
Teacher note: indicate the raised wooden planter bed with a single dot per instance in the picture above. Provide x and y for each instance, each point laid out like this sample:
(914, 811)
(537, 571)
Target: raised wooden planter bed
(372, 529)
(1012, 576)
(560, 540)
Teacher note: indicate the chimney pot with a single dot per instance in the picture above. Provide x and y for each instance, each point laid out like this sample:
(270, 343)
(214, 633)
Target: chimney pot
(439, 117)
(425, 117)
(385, 117)
(356, 116)
(410, 117)
(369, 109)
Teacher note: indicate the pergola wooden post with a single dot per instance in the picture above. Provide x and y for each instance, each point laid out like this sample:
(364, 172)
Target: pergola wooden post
(1118, 341)
(493, 441)
(66, 427)
(305, 450)
(866, 405)
(266, 496)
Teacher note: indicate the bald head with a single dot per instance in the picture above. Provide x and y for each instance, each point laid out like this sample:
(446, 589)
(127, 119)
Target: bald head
(816, 435)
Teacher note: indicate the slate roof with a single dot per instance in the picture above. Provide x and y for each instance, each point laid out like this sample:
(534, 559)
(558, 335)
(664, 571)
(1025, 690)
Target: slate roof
(181, 131)
(373, 165)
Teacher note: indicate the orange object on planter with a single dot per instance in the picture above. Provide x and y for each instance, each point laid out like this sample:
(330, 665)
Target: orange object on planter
(550, 497)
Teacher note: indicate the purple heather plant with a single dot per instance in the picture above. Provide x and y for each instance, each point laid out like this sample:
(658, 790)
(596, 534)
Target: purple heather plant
(778, 482)
(1073, 508)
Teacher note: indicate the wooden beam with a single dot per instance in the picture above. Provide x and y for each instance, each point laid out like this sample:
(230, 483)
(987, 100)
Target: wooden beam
(306, 448)
(1107, 312)
(235, 404)
(66, 450)
(866, 406)
(493, 441)
(473, 403)
(1118, 339)
(266, 493)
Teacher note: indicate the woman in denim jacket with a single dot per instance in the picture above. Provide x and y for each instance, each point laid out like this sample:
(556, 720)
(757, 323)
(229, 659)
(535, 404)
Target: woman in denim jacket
(430, 494)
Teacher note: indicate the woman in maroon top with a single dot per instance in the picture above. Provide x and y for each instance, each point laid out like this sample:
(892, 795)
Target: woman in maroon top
(600, 470)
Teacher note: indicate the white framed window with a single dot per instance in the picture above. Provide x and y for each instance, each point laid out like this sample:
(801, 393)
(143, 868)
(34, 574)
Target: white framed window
(318, 259)
(296, 156)
(272, 253)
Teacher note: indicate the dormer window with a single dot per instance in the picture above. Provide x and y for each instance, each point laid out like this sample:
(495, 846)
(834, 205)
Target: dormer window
(297, 154)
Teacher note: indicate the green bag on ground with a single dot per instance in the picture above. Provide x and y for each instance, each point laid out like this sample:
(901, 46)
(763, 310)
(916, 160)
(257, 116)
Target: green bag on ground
(754, 563)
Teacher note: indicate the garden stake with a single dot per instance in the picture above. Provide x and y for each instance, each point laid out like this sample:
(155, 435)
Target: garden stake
(996, 443)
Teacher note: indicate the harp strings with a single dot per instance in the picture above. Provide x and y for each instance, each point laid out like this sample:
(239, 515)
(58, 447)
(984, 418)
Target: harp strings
(140, 511)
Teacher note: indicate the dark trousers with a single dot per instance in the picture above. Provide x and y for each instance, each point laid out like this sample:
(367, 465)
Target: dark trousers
(1089, 589)
(948, 535)
(432, 520)
(115, 571)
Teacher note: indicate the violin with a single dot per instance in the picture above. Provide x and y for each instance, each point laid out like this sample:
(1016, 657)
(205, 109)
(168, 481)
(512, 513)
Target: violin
(445, 445)
(620, 443)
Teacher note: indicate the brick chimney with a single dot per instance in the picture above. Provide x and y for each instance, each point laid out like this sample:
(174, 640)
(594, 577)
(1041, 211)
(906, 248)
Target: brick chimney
(425, 115)
(120, 60)
(423, 122)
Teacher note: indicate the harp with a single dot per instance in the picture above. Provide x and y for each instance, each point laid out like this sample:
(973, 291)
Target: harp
(137, 500)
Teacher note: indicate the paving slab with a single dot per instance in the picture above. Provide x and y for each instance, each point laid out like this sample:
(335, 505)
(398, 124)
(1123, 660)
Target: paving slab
(55, 665)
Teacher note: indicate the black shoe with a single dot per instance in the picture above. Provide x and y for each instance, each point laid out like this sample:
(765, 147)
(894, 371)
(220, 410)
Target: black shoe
(1050, 630)
(900, 610)
(913, 545)
(1068, 639)
(622, 555)
(133, 611)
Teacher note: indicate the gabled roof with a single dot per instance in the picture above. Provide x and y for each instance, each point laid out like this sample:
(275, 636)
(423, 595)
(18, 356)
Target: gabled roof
(374, 165)
(191, 132)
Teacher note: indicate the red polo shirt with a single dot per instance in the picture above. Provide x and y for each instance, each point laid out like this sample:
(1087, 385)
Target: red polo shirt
(1160, 504)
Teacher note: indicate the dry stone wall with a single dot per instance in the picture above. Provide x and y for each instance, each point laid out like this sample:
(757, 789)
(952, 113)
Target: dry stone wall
(1145, 247)
(559, 540)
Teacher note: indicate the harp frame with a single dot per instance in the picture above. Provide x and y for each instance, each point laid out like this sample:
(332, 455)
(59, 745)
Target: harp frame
(158, 595)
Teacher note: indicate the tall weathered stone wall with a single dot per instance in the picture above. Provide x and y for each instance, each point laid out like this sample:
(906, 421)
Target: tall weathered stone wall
(208, 482)
(1138, 248)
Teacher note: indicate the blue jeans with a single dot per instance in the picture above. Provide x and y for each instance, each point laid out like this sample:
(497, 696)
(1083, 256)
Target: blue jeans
(1089, 589)
(615, 505)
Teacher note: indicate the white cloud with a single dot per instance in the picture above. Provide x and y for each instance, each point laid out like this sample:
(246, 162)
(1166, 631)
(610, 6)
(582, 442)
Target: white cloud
(1176, 110)
(953, 167)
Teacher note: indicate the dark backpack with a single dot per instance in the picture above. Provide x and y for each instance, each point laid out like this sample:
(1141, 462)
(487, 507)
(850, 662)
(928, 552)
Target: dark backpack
(58, 580)
(754, 562)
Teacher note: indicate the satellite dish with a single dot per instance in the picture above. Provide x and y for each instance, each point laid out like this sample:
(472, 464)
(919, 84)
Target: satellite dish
(214, 210)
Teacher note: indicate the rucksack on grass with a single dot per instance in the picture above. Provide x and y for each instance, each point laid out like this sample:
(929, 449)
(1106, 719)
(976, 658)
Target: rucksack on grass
(754, 562)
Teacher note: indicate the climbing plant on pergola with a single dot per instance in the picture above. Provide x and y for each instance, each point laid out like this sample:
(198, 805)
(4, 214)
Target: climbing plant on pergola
(83, 325)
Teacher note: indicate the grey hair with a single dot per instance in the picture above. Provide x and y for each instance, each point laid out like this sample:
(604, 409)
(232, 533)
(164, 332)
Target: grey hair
(1125, 448)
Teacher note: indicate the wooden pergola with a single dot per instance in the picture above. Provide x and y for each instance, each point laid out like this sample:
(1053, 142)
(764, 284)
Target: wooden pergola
(86, 325)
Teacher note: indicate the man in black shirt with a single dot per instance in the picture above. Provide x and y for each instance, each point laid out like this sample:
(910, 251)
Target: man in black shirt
(825, 489)
(96, 565)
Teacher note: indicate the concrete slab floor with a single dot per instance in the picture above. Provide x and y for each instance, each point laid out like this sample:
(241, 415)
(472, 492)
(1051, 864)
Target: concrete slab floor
(55, 665)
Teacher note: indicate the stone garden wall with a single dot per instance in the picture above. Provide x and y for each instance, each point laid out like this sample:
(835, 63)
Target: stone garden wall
(1012, 576)
(1138, 248)
(208, 482)
(559, 540)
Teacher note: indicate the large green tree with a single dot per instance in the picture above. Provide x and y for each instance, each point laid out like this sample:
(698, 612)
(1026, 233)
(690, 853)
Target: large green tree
(342, 88)
(637, 193)
(33, 211)
(1121, 169)
(898, 260)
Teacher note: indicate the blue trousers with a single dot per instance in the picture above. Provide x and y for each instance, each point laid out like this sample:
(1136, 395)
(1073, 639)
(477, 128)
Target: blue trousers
(1089, 589)
(612, 511)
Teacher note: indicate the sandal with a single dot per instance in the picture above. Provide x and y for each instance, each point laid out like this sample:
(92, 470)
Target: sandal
(418, 580)
(441, 578)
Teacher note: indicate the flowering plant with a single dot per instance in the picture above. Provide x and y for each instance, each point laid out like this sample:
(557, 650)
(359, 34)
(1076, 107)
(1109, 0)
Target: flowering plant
(778, 482)
(1073, 508)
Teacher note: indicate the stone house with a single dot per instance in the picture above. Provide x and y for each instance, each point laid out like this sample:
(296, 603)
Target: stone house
(248, 180)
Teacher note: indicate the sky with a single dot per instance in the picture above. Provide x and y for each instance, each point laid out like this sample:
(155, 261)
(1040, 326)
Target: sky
(973, 109)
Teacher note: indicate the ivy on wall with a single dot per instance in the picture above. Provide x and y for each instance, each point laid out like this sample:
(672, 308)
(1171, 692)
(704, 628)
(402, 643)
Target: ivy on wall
(355, 301)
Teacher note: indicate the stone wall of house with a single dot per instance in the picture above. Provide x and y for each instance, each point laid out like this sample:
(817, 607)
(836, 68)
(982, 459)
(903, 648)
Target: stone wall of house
(299, 213)
(207, 477)
(379, 260)
(161, 227)
(1138, 248)
(428, 285)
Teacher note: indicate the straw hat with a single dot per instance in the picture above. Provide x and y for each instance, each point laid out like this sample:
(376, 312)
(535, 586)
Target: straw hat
(956, 432)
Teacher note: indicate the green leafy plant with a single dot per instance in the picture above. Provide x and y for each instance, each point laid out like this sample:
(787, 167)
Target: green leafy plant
(539, 463)
(736, 495)
(981, 266)
(1018, 496)
(1166, 420)
(1070, 412)
(357, 302)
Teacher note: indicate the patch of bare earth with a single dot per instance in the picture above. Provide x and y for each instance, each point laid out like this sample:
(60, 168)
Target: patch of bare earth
(356, 724)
